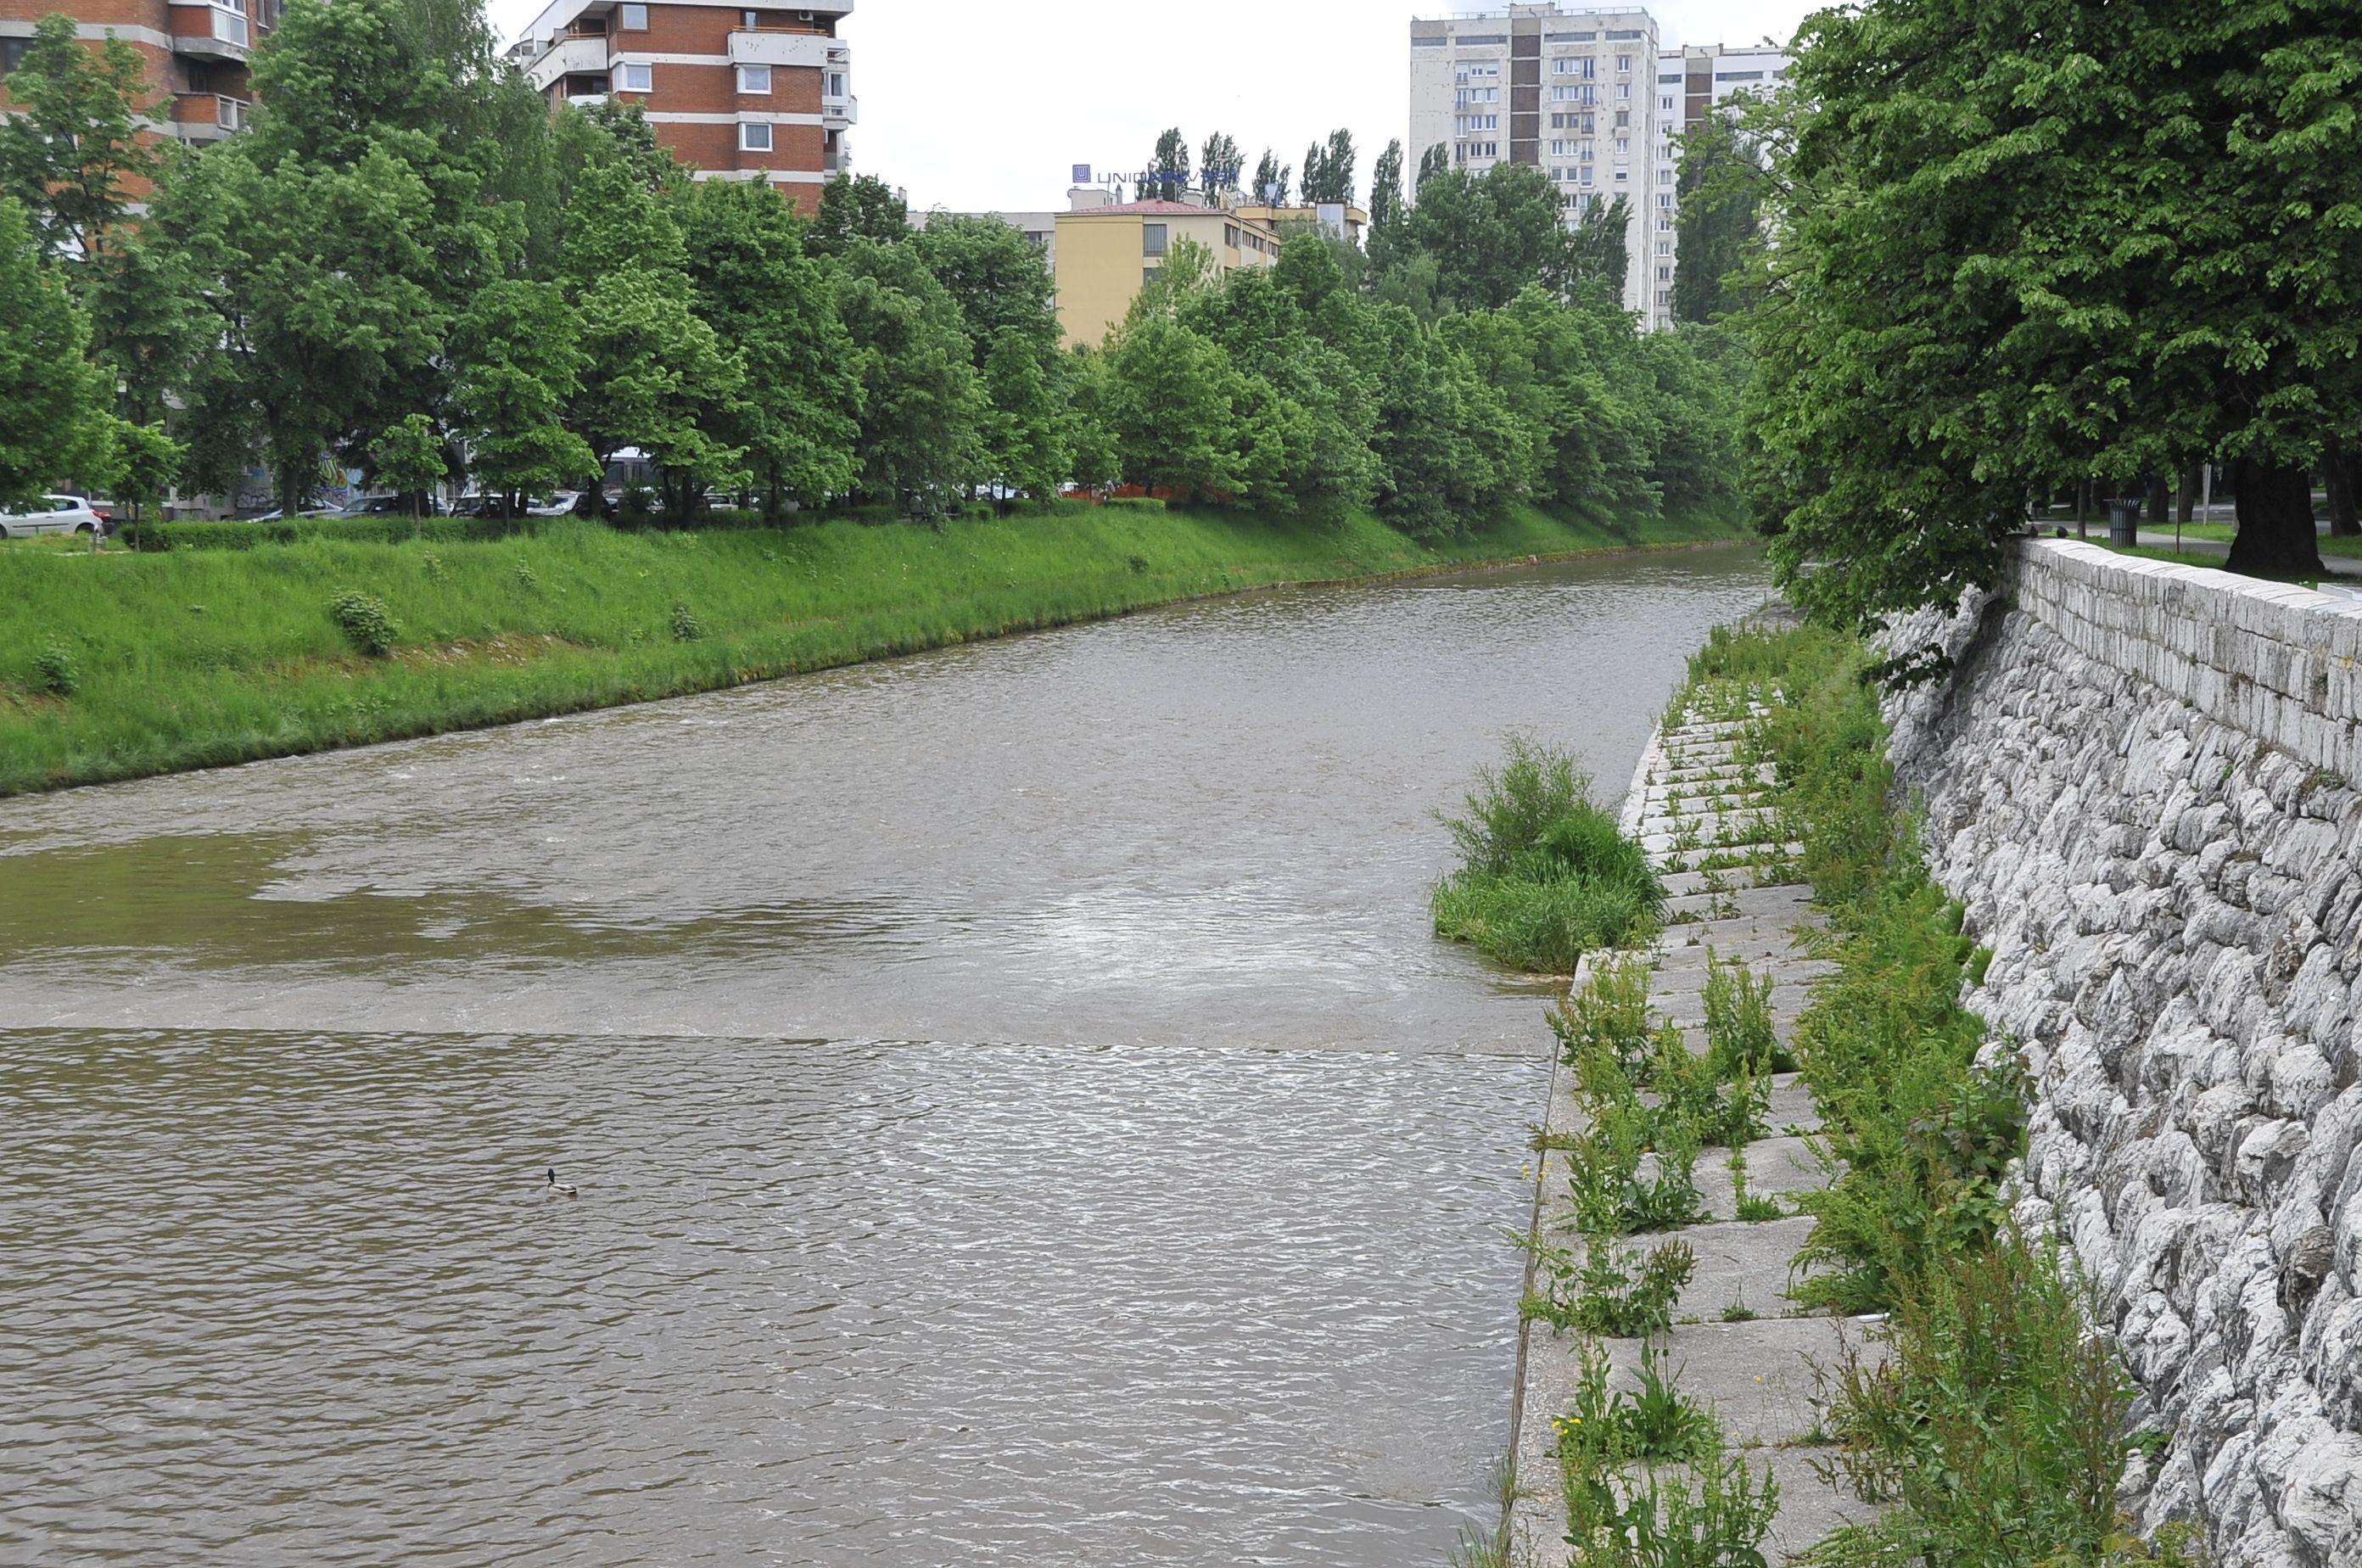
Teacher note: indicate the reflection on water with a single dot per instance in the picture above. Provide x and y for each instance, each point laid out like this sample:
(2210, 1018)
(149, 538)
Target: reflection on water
(1165, 1233)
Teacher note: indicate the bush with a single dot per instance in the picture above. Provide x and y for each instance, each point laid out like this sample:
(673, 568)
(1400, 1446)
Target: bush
(686, 628)
(194, 534)
(54, 672)
(1545, 876)
(364, 621)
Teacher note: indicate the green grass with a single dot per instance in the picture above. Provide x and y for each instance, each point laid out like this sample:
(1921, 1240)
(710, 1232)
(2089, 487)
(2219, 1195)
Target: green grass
(1545, 876)
(199, 659)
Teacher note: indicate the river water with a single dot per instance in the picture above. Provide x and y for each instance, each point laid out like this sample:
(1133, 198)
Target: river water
(1018, 1111)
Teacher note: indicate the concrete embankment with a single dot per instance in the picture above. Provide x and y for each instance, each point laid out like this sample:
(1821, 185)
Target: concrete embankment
(2140, 779)
(1734, 1345)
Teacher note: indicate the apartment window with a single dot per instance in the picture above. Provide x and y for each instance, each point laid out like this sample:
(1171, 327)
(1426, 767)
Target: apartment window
(1663, 298)
(1623, 62)
(1623, 92)
(1623, 147)
(632, 18)
(1148, 275)
(630, 78)
(835, 87)
(1620, 176)
(753, 79)
(1151, 239)
(1665, 104)
(1664, 274)
(1665, 225)
(750, 19)
(12, 54)
(755, 135)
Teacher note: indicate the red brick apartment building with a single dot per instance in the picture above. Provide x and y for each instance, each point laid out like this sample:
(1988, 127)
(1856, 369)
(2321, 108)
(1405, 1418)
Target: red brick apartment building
(738, 91)
(195, 49)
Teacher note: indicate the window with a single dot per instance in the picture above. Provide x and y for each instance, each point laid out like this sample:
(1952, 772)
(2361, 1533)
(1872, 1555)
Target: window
(753, 79)
(1664, 274)
(1230, 236)
(834, 86)
(750, 19)
(755, 135)
(632, 18)
(1151, 239)
(1623, 62)
(630, 78)
(1623, 92)
(1666, 103)
(12, 54)
(1623, 147)
(1148, 275)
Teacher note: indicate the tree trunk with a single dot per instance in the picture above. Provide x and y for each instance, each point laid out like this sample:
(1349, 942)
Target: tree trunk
(2276, 536)
(2186, 501)
(2082, 509)
(2159, 506)
(2344, 478)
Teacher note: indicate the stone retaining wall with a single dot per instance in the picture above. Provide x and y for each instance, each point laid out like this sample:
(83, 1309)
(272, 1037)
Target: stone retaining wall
(2140, 779)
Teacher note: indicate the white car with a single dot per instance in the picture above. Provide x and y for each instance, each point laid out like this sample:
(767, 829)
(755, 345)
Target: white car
(55, 514)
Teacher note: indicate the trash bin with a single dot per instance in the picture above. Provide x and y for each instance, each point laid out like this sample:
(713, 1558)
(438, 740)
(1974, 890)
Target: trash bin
(2123, 519)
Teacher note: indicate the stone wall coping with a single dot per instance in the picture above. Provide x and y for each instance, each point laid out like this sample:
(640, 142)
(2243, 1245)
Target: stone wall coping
(2278, 662)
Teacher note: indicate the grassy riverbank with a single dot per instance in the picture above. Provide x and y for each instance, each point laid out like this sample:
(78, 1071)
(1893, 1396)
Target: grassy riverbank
(119, 666)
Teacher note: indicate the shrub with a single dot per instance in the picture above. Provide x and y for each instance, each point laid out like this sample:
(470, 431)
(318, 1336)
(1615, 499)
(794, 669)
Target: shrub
(364, 622)
(1739, 1028)
(1611, 1013)
(686, 627)
(1619, 1294)
(55, 672)
(1545, 876)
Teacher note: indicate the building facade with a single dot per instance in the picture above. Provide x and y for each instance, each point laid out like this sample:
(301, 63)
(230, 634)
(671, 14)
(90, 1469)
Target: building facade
(1570, 92)
(740, 92)
(195, 51)
(1690, 82)
(1106, 251)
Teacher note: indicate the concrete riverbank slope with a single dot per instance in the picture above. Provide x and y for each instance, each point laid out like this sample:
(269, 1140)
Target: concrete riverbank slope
(2141, 780)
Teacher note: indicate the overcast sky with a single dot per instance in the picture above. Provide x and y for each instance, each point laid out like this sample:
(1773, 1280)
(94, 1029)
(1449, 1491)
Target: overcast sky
(969, 105)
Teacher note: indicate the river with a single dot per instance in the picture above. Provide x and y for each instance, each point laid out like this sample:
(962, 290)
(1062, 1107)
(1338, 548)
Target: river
(1019, 1113)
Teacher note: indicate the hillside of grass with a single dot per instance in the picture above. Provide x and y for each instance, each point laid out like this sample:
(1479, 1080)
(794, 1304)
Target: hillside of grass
(118, 665)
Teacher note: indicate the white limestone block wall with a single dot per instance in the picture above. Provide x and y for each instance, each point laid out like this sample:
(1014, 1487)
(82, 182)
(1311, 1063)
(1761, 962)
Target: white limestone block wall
(2140, 779)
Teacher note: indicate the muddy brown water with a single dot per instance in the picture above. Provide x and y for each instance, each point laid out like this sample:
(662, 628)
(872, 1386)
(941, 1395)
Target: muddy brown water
(1018, 1111)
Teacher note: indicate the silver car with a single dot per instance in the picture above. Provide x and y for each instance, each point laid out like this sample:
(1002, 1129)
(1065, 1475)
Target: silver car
(55, 514)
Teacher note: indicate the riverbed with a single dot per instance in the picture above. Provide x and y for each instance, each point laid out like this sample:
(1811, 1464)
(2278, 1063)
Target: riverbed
(1018, 1110)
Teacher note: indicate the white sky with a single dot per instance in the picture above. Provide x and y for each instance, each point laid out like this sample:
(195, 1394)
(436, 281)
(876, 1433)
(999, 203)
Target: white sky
(979, 104)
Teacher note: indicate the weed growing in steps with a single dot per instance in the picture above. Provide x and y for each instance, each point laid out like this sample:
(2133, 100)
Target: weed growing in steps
(1656, 1421)
(1617, 1293)
(1545, 876)
(1993, 1427)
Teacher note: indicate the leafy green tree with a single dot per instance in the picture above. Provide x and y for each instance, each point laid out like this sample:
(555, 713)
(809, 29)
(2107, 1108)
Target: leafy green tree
(1439, 430)
(1720, 220)
(1171, 406)
(1329, 169)
(1217, 164)
(797, 412)
(1028, 441)
(923, 408)
(1387, 240)
(517, 364)
(409, 459)
(2004, 266)
(70, 151)
(1598, 255)
(1271, 181)
(1168, 169)
(145, 319)
(657, 376)
(1491, 235)
(856, 209)
(53, 418)
(996, 277)
(147, 463)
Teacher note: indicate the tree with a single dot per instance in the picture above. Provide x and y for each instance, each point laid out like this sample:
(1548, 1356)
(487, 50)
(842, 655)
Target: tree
(1329, 172)
(409, 459)
(518, 361)
(2001, 266)
(923, 408)
(1168, 169)
(854, 209)
(1027, 443)
(1171, 408)
(1491, 235)
(147, 463)
(996, 277)
(53, 420)
(71, 146)
(1598, 253)
(797, 412)
(1217, 164)
(1387, 240)
(1271, 181)
(658, 378)
(1719, 222)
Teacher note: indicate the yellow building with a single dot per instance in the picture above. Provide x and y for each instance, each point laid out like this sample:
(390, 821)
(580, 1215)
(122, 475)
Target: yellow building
(1105, 254)
(1336, 218)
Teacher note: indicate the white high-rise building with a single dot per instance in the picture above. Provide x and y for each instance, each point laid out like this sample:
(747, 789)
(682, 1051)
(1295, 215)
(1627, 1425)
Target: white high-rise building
(1587, 97)
(1690, 82)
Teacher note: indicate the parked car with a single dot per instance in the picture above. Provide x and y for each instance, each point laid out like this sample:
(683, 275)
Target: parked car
(55, 514)
(554, 505)
(387, 506)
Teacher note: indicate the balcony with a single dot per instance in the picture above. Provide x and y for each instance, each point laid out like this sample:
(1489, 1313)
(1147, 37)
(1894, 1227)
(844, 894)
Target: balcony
(840, 111)
(221, 32)
(761, 47)
(573, 56)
